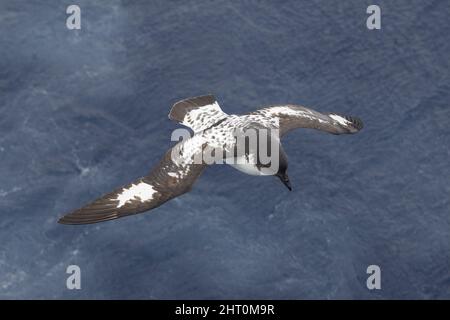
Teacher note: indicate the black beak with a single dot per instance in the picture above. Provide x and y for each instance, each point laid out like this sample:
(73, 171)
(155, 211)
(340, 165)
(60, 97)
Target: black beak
(285, 179)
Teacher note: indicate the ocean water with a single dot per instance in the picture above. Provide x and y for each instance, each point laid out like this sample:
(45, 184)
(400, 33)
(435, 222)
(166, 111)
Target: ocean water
(85, 111)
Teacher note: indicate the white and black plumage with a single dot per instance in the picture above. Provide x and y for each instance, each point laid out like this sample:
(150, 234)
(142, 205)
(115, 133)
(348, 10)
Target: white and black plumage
(212, 128)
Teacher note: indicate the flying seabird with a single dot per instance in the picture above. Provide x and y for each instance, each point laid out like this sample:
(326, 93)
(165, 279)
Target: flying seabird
(213, 128)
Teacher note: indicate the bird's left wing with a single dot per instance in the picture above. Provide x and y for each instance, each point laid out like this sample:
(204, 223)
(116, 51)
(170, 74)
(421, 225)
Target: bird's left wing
(291, 117)
(167, 180)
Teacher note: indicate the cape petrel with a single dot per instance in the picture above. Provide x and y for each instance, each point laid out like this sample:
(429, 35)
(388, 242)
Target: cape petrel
(212, 127)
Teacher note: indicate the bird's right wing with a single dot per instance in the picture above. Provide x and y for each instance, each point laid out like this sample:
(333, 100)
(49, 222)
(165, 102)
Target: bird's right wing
(293, 116)
(167, 180)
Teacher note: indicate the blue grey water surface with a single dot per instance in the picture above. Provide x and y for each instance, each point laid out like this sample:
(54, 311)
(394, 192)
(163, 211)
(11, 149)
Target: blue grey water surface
(85, 111)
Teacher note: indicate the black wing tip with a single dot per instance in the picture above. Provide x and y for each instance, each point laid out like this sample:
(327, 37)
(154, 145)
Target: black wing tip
(81, 220)
(355, 122)
(73, 221)
(62, 221)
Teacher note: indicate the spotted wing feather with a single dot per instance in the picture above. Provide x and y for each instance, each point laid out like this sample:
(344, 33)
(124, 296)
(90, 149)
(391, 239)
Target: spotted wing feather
(166, 181)
(291, 117)
(197, 113)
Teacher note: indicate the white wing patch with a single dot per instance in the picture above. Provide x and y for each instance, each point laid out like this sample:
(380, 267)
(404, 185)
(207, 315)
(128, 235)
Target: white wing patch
(291, 112)
(201, 118)
(142, 191)
(340, 119)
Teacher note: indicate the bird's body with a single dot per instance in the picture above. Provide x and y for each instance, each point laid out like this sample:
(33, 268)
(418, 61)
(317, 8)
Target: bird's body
(223, 137)
(215, 135)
